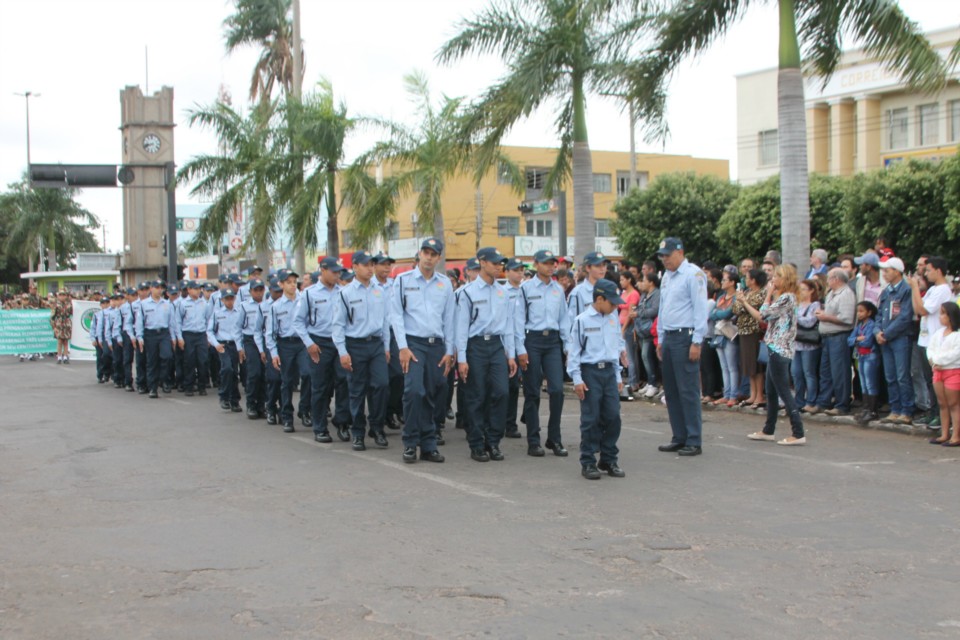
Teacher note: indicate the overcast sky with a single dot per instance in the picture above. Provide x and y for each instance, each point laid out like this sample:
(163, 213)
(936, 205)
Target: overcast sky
(79, 54)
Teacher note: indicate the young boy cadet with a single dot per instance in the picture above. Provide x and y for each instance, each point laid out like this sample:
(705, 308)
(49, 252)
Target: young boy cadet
(595, 353)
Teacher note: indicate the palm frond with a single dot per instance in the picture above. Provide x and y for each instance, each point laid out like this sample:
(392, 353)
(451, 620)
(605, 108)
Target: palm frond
(501, 29)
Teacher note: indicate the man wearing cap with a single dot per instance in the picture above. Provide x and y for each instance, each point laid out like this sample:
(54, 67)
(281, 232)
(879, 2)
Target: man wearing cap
(194, 318)
(223, 334)
(422, 313)
(285, 343)
(486, 356)
(251, 328)
(115, 337)
(96, 322)
(243, 293)
(156, 332)
(140, 358)
(869, 285)
(543, 333)
(595, 268)
(893, 327)
(383, 265)
(176, 364)
(471, 271)
(361, 333)
(681, 325)
(313, 323)
(271, 375)
(514, 270)
(597, 350)
(128, 336)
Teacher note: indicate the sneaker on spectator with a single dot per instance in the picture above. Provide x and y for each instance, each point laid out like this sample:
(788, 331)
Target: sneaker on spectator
(811, 409)
(934, 423)
(904, 420)
(649, 391)
(890, 419)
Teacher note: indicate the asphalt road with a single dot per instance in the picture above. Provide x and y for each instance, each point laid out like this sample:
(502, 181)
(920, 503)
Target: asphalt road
(123, 517)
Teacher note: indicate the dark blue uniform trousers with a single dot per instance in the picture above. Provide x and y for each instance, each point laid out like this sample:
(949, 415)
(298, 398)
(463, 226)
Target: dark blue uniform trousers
(101, 361)
(289, 350)
(195, 362)
(123, 353)
(395, 373)
(272, 383)
(229, 373)
(424, 389)
(368, 383)
(140, 358)
(513, 400)
(600, 413)
(255, 375)
(681, 386)
(486, 391)
(545, 353)
(323, 378)
(158, 350)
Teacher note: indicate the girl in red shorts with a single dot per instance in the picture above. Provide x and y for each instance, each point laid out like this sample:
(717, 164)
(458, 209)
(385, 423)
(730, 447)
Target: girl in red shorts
(944, 355)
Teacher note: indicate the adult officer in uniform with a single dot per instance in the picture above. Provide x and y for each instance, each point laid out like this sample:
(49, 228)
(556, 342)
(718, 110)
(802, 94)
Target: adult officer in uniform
(305, 405)
(176, 370)
(214, 357)
(514, 273)
(126, 339)
(271, 375)
(314, 324)
(223, 334)
(485, 355)
(422, 313)
(252, 329)
(681, 325)
(544, 328)
(361, 333)
(156, 334)
(140, 358)
(470, 272)
(115, 315)
(285, 344)
(383, 265)
(194, 315)
(581, 297)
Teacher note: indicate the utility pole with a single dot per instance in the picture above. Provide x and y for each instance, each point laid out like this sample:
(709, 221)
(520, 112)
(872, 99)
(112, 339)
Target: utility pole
(478, 207)
(26, 96)
(300, 258)
(633, 146)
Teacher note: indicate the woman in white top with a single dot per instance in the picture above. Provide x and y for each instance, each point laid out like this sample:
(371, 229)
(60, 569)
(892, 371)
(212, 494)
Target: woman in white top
(943, 352)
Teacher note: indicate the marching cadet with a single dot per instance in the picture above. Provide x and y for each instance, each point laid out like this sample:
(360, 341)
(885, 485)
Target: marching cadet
(304, 407)
(194, 315)
(105, 336)
(543, 325)
(252, 329)
(156, 331)
(485, 355)
(95, 337)
(115, 337)
(214, 357)
(314, 324)
(243, 293)
(383, 265)
(223, 334)
(285, 343)
(596, 351)
(140, 358)
(128, 336)
(594, 263)
(271, 375)
(361, 333)
(470, 272)
(514, 273)
(176, 365)
(422, 313)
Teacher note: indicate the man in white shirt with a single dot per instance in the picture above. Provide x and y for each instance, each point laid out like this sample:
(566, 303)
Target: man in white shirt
(927, 306)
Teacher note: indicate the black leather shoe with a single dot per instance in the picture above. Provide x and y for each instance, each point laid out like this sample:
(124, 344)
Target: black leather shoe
(431, 456)
(392, 423)
(288, 427)
(236, 408)
(154, 394)
(371, 433)
(689, 451)
(515, 433)
(459, 424)
(590, 472)
(440, 440)
(358, 445)
(479, 455)
(323, 436)
(202, 392)
(188, 394)
(271, 418)
(495, 454)
(100, 380)
(670, 448)
(225, 405)
(305, 420)
(343, 432)
(140, 391)
(557, 447)
(409, 455)
(380, 440)
(613, 470)
(129, 388)
(536, 451)
(252, 415)
(167, 389)
(450, 414)
(117, 385)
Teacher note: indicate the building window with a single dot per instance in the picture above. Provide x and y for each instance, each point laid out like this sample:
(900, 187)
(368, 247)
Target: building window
(392, 232)
(601, 183)
(346, 238)
(503, 173)
(623, 182)
(536, 178)
(954, 108)
(897, 123)
(769, 148)
(603, 229)
(929, 117)
(508, 226)
(541, 228)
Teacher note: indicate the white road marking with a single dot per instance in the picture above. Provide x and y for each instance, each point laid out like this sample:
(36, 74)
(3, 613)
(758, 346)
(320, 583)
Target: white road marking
(826, 463)
(639, 430)
(183, 402)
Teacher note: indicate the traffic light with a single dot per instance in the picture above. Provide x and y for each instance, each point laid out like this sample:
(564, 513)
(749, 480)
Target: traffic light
(163, 273)
(180, 272)
(64, 176)
(525, 207)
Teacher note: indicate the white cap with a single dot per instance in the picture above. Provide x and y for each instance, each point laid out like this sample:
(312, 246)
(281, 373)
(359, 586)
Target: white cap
(892, 263)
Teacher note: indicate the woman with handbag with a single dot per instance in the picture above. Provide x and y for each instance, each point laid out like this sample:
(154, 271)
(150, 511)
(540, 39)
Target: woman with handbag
(806, 353)
(748, 328)
(726, 343)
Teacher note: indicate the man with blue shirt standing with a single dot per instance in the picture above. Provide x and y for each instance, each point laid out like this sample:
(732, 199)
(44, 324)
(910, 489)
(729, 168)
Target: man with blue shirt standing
(681, 325)
(194, 315)
(383, 265)
(285, 343)
(140, 358)
(543, 326)
(156, 331)
(361, 333)
(422, 313)
(127, 338)
(271, 375)
(251, 327)
(514, 273)
(223, 334)
(485, 355)
(893, 329)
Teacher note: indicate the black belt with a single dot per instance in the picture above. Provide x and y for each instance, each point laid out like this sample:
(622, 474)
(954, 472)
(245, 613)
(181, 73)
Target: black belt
(227, 343)
(194, 333)
(545, 332)
(156, 332)
(598, 365)
(376, 336)
(433, 340)
(486, 337)
(682, 330)
(290, 339)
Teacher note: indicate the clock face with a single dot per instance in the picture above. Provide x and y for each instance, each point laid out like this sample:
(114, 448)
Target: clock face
(151, 143)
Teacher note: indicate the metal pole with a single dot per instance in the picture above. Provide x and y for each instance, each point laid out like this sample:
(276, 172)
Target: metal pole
(562, 221)
(633, 146)
(171, 180)
(478, 207)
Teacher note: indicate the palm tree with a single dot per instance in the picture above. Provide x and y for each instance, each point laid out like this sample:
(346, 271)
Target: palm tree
(690, 27)
(50, 215)
(554, 50)
(264, 24)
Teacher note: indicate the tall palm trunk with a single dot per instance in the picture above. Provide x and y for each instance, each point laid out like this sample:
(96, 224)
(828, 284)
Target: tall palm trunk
(584, 226)
(333, 237)
(51, 252)
(438, 233)
(792, 140)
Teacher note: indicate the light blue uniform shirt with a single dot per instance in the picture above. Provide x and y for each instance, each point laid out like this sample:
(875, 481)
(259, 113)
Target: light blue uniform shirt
(683, 301)
(194, 316)
(224, 326)
(253, 321)
(126, 320)
(114, 325)
(95, 325)
(315, 313)
(156, 315)
(265, 310)
(243, 294)
(137, 312)
(595, 338)
(542, 308)
(361, 312)
(580, 299)
(484, 309)
(280, 322)
(423, 308)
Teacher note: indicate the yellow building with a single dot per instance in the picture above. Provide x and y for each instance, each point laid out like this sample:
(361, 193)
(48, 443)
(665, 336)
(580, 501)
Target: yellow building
(864, 118)
(488, 215)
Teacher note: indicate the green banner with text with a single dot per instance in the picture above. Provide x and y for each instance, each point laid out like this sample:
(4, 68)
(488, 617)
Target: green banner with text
(26, 331)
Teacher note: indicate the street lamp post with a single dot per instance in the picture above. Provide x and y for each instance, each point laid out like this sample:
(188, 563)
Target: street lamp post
(26, 96)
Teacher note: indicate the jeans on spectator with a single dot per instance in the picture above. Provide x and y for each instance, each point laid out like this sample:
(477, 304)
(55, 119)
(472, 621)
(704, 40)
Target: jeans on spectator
(729, 356)
(777, 384)
(805, 370)
(633, 366)
(648, 354)
(896, 369)
(834, 372)
(869, 367)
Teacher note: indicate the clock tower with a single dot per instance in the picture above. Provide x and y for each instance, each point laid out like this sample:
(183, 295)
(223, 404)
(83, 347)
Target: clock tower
(146, 126)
